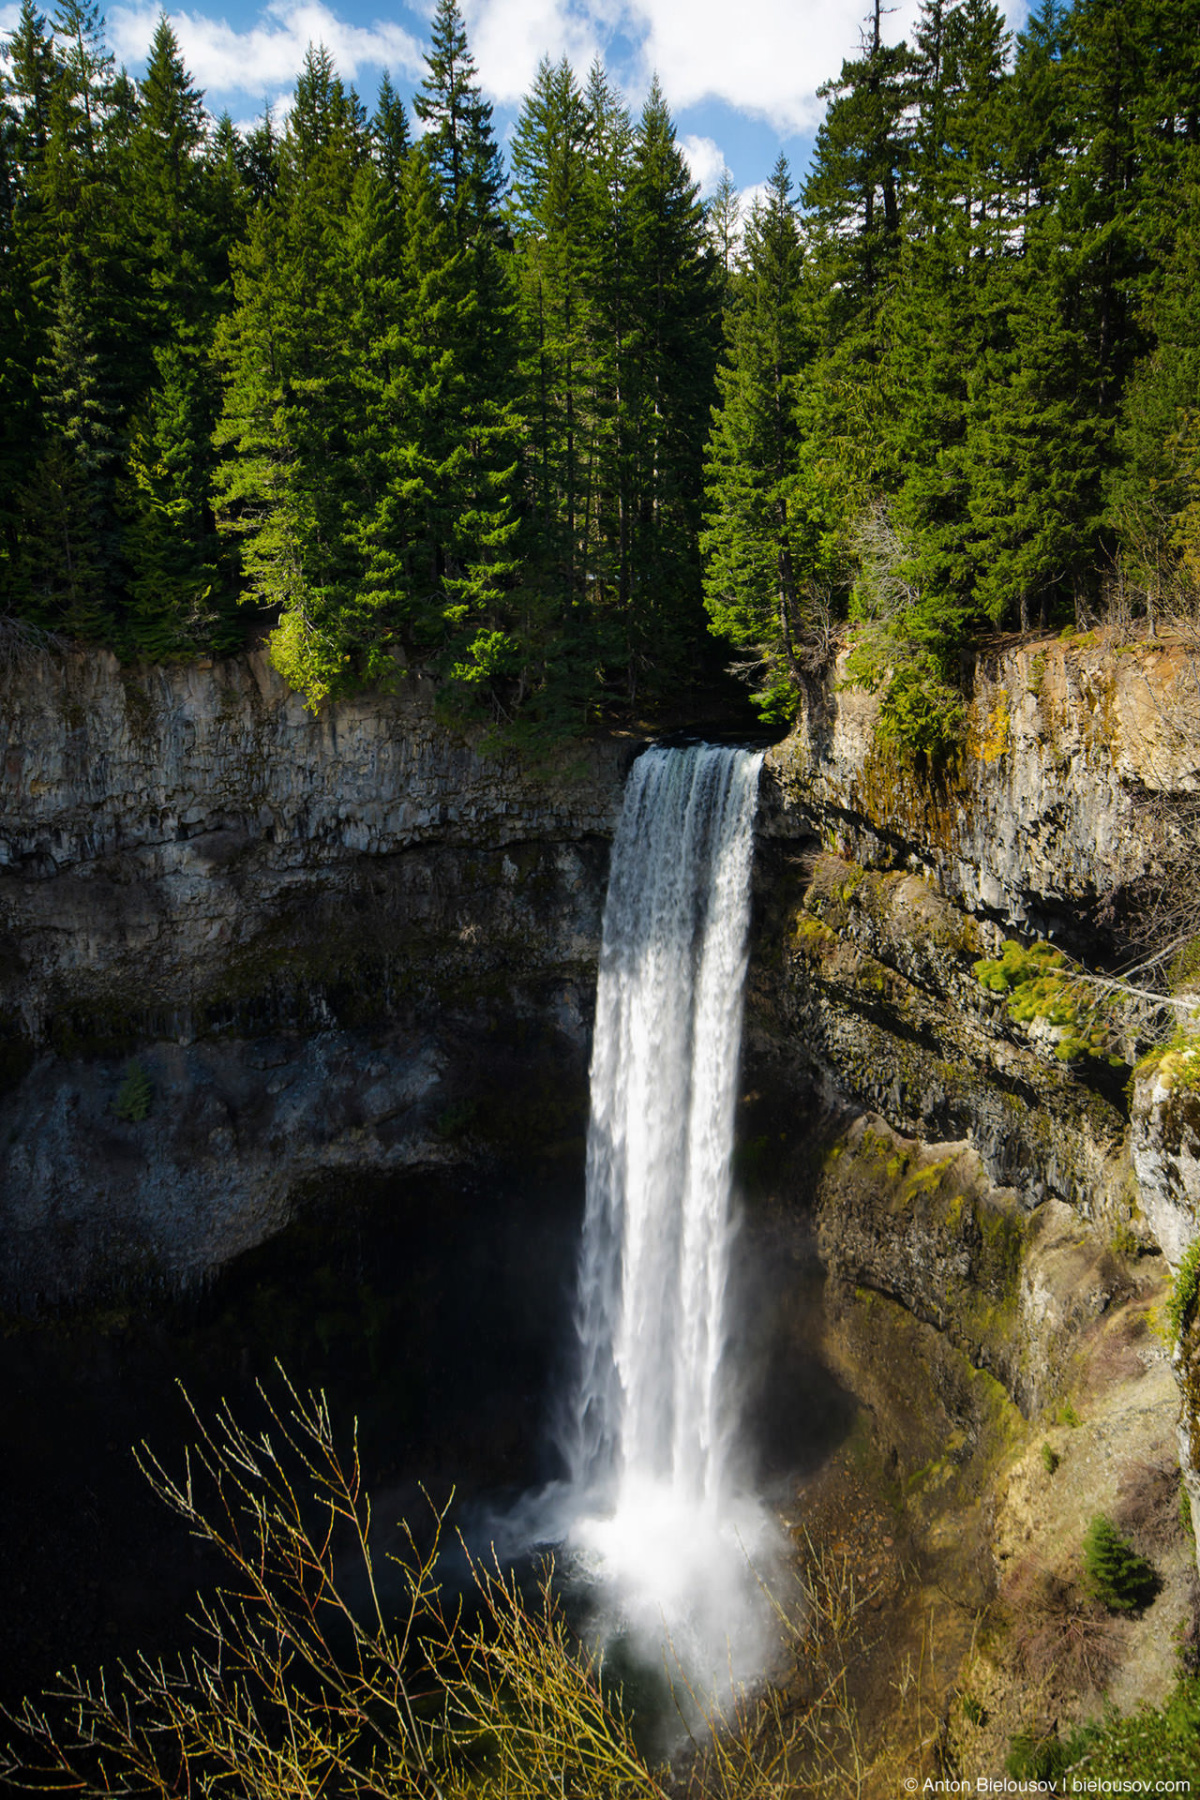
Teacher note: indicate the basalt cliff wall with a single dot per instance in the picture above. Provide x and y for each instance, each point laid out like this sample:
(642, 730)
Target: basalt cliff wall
(996, 1209)
(358, 941)
(248, 954)
(330, 945)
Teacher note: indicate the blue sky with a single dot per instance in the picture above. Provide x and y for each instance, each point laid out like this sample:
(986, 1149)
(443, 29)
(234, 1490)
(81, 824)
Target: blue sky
(740, 75)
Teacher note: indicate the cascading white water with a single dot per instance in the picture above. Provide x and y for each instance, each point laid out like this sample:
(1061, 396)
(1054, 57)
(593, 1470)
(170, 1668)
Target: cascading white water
(660, 1520)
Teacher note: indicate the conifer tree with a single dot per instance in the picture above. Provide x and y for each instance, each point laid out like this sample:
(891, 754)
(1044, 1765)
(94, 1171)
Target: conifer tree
(769, 543)
(724, 215)
(612, 283)
(69, 545)
(286, 486)
(1153, 489)
(554, 227)
(22, 141)
(389, 137)
(178, 220)
(29, 81)
(675, 325)
(959, 220)
(854, 191)
(853, 203)
(459, 138)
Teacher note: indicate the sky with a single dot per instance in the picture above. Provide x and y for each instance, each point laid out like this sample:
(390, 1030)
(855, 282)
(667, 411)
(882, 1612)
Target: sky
(740, 78)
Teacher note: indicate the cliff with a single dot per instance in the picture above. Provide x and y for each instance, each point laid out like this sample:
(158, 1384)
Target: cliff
(316, 936)
(1005, 1186)
(248, 954)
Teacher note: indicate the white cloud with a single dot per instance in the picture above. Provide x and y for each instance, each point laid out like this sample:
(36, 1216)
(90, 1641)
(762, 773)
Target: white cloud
(269, 54)
(767, 57)
(510, 37)
(706, 160)
(764, 57)
(8, 18)
(748, 198)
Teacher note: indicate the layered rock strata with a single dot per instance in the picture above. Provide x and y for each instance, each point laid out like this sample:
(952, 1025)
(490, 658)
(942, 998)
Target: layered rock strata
(312, 942)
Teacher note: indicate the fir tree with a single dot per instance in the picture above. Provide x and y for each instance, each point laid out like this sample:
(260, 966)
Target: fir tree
(459, 139)
(389, 136)
(724, 215)
(675, 345)
(30, 80)
(769, 548)
(1114, 1573)
(554, 228)
(286, 486)
(69, 542)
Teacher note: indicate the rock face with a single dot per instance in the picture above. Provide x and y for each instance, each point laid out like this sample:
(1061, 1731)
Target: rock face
(1042, 815)
(245, 951)
(888, 886)
(314, 936)
(879, 890)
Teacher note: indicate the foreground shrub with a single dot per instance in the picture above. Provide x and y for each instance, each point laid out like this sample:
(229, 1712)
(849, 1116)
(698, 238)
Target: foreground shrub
(1034, 1757)
(404, 1692)
(1160, 1744)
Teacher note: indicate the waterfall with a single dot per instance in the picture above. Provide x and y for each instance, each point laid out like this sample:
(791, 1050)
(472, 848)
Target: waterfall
(661, 1521)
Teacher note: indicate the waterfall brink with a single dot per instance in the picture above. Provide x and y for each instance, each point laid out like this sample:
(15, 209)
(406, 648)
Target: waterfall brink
(660, 1523)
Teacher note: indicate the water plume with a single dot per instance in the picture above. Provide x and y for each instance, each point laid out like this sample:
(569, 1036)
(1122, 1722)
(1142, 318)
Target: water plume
(669, 1544)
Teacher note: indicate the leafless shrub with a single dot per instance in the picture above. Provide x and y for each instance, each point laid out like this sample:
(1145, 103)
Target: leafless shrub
(22, 643)
(292, 1690)
(1147, 1509)
(1056, 1634)
(884, 589)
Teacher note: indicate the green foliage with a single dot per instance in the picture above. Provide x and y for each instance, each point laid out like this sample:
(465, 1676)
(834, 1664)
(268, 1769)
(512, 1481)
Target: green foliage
(1114, 1573)
(1153, 1745)
(417, 422)
(1018, 967)
(1050, 1458)
(1041, 988)
(771, 538)
(920, 713)
(1184, 972)
(973, 1710)
(1185, 1293)
(1044, 1757)
(1068, 1416)
(135, 1095)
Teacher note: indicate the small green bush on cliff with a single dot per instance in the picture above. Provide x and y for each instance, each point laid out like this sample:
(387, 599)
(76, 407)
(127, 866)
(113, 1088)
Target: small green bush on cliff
(1113, 1571)
(1039, 985)
(135, 1094)
(1181, 1305)
(1044, 1757)
(920, 714)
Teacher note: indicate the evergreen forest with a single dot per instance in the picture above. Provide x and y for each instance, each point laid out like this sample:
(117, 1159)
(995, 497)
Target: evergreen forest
(564, 437)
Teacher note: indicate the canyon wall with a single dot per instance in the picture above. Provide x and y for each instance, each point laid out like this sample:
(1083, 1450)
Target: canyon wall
(357, 942)
(1012, 1195)
(322, 945)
